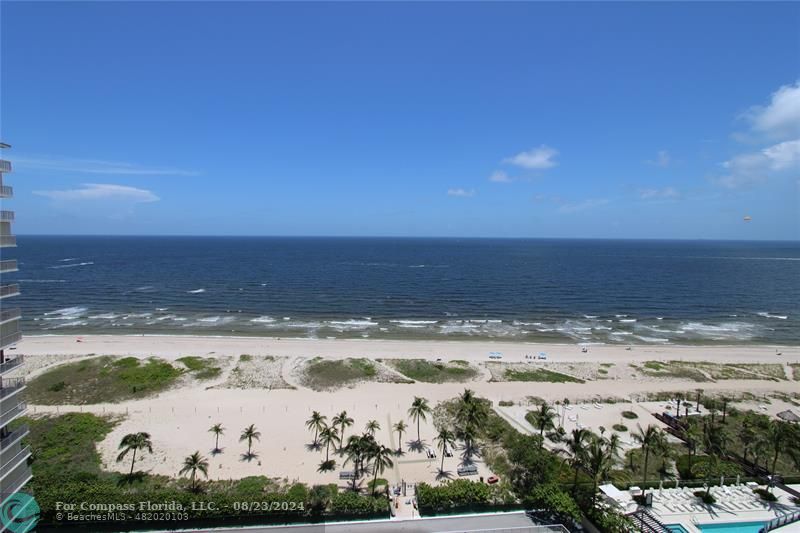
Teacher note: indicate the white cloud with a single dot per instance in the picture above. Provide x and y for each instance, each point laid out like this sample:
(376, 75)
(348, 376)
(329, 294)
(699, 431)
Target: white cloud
(653, 194)
(95, 166)
(102, 191)
(461, 192)
(498, 176)
(780, 119)
(583, 205)
(754, 167)
(535, 158)
(662, 159)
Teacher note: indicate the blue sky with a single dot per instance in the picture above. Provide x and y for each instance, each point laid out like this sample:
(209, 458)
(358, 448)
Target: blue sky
(633, 120)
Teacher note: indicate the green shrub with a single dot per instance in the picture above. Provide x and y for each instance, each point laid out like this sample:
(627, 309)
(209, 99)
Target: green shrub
(434, 372)
(630, 415)
(452, 494)
(620, 427)
(539, 374)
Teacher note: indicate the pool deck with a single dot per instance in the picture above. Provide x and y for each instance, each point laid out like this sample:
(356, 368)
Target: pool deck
(735, 504)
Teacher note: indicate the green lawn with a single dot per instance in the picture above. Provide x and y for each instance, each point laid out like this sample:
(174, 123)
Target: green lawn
(434, 372)
(102, 379)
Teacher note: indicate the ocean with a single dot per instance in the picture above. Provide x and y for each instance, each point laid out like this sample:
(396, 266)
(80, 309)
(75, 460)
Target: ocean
(580, 291)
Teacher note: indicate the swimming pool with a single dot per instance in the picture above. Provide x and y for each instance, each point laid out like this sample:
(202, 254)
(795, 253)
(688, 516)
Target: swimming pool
(676, 528)
(738, 527)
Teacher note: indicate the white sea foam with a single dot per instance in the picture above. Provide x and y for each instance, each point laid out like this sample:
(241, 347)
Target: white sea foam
(768, 315)
(67, 311)
(352, 324)
(627, 320)
(651, 339)
(196, 291)
(42, 280)
(263, 320)
(68, 259)
(85, 263)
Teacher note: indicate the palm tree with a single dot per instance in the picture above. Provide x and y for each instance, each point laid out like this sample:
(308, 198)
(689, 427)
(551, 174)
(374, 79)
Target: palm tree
(316, 422)
(192, 464)
(359, 449)
(649, 439)
(543, 419)
(576, 452)
(693, 437)
(249, 433)
(371, 427)
(326, 466)
(419, 410)
(400, 428)
(711, 468)
(777, 434)
(343, 421)
(381, 459)
(133, 442)
(328, 435)
(471, 415)
(217, 430)
(446, 439)
(599, 461)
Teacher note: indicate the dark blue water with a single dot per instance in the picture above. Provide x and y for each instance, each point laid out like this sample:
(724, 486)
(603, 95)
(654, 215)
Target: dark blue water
(537, 290)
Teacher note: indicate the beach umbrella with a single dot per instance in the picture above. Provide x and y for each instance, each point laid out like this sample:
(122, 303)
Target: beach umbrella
(722, 481)
(737, 480)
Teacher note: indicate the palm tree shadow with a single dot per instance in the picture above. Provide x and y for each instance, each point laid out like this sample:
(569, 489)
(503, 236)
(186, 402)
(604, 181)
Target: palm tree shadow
(399, 453)
(217, 451)
(416, 445)
(443, 474)
(130, 479)
(248, 456)
(313, 447)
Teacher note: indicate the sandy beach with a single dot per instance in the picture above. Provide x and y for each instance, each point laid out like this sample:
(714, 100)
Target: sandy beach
(179, 418)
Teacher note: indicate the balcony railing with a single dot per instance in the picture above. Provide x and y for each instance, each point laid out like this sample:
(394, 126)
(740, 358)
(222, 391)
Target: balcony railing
(11, 364)
(6, 191)
(8, 265)
(13, 412)
(5, 166)
(10, 314)
(8, 240)
(9, 339)
(6, 216)
(16, 459)
(16, 479)
(14, 437)
(10, 386)
(9, 290)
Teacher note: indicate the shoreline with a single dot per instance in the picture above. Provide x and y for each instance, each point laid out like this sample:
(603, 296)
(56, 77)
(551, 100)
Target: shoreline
(475, 349)
(466, 340)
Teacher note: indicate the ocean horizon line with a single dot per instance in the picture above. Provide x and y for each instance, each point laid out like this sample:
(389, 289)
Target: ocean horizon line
(412, 237)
